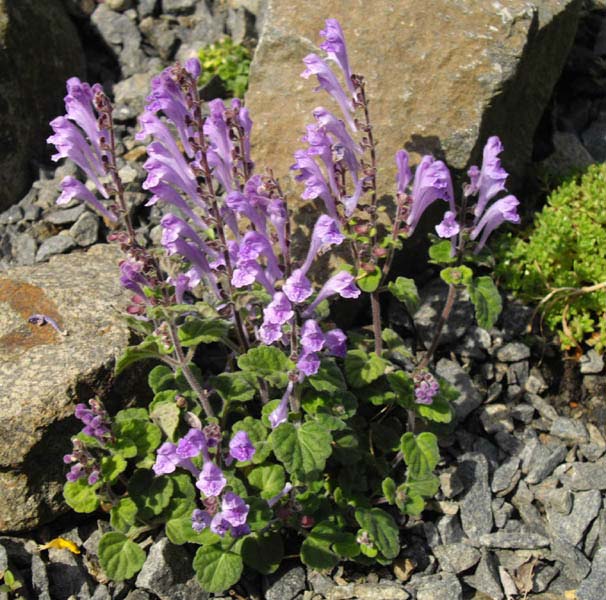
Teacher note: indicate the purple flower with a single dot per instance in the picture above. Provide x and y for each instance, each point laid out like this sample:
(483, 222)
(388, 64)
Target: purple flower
(221, 147)
(211, 480)
(275, 499)
(343, 283)
(502, 210)
(312, 337)
(337, 128)
(336, 49)
(280, 414)
(200, 519)
(254, 246)
(192, 444)
(336, 342)
(270, 333)
(132, 279)
(315, 184)
(93, 477)
(234, 509)
(220, 525)
(297, 287)
(279, 310)
(164, 192)
(276, 211)
(192, 66)
(329, 83)
(404, 176)
(326, 233)
(75, 473)
(432, 182)
(426, 387)
(309, 364)
(248, 272)
(449, 226)
(164, 166)
(240, 447)
(167, 459)
(492, 177)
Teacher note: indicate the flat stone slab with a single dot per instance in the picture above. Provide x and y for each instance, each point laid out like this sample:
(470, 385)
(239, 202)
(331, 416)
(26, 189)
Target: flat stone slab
(43, 373)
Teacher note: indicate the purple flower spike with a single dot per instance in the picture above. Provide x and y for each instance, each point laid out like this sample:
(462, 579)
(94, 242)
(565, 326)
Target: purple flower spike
(404, 176)
(72, 188)
(280, 414)
(192, 444)
(336, 342)
(448, 227)
(336, 49)
(297, 287)
(240, 447)
(432, 182)
(336, 127)
(329, 83)
(492, 177)
(167, 459)
(200, 519)
(309, 364)
(312, 337)
(426, 387)
(502, 210)
(315, 183)
(234, 509)
(279, 310)
(343, 283)
(211, 480)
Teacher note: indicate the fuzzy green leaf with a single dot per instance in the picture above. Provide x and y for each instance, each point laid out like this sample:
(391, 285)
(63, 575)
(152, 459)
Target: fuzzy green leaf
(486, 300)
(234, 387)
(123, 515)
(382, 530)
(362, 368)
(151, 494)
(216, 569)
(147, 349)
(329, 378)
(263, 551)
(439, 253)
(112, 466)
(161, 378)
(203, 331)
(457, 275)
(269, 480)
(81, 496)
(405, 290)
(120, 557)
(166, 415)
(369, 282)
(268, 363)
(421, 453)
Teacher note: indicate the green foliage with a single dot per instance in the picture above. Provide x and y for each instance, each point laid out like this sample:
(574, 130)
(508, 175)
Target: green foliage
(230, 62)
(119, 556)
(563, 253)
(217, 569)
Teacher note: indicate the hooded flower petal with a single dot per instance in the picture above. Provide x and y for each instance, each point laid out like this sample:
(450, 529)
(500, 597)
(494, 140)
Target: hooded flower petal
(343, 283)
(280, 414)
(449, 226)
(297, 287)
(502, 210)
(492, 177)
(404, 176)
(241, 448)
(72, 188)
(335, 48)
(312, 337)
(211, 480)
(336, 342)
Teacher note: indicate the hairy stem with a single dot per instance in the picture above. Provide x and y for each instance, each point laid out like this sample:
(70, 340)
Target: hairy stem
(452, 292)
(376, 322)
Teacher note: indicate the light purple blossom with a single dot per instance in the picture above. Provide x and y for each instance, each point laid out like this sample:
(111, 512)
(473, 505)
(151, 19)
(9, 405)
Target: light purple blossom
(192, 66)
(211, 480)
(280, 414)
(404, 176)
(426, 387)
(337, 128)
(492, 177)
(285, 491)
(240, 447)
(279, 310)
(336, 342)
(432, 182)
(312, 337)
(343, 283)
(309, 364)
(220, 525)
(449, 226)
(72, 188)
(167, 459)
(234, 509)
(270, 333)
(193, 444)
(276, 211)
(200, 519)
(336, 49)
(253, 246)
(315, 183)
(500, 211)
(326, 233)
(297, 287)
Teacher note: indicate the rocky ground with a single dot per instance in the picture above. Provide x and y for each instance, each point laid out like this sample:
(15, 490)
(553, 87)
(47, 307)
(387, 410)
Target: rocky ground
(521, 509)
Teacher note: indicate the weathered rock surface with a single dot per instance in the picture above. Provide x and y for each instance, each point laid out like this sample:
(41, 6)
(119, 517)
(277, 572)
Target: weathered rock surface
(43, 373)
(39, 50)
(442, 93)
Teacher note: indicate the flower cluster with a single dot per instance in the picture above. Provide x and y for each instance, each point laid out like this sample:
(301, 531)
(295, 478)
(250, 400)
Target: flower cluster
(198, 445)
(426, 387)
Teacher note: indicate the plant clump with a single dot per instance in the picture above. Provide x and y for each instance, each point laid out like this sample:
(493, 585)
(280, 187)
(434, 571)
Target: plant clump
(228, 61)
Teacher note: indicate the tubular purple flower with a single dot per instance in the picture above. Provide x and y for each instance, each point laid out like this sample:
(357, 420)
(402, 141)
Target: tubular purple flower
(211, 480)
(329, 83)
(278, 216)
(132, 279)
(242, 117)
(336, 342)
(162, 165)
(297, 287)
(492, 177)
(472, 187)
(448, 227)
(167, 459)
(241, 448)
(284, 492)
(192, 444)
(321, 145)
(279, 310)
(315, 183)
(326, 233)
(270, 332)
(253, 246)
(70, 143)
(248, 272)
(241, 204)
(166, 193)
(336, 49)
(432, 182)
(404, 176)
(309, 364)
(173, 227)
(219, 525)
(72, 188)
(200, 519)
(502, 210)
(192, 66)
(221, 147)
(312, 337)
(280, 414)
(351, 202)
(343, 283)
(234, 509)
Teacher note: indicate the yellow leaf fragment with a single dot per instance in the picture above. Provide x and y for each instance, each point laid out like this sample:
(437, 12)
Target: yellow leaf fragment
(62, 544)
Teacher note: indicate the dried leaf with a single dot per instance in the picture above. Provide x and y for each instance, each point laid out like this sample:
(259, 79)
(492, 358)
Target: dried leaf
(62, 544)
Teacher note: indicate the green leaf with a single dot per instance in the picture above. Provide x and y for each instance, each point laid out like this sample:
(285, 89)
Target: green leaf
(123, 515)
(439, 411)
(183, 500)
(381, 529)
(125, 447)
(268, 363)
(145, 435)
(203, 331)
(161, 378)
(486, 300)
(131, 414)
(234, 387)
(151, 494)
(395, 344)
(269, 480)
(179, 531)
(328, 378)
(439, 253)
(120, 557)
(402, 384)
(369, 282)
(81, 496)
(112, 466)
(405, 290)
(388, 486)
(457, 275)
(148, 348)
(327, 542)
(362, 368)
(263, 551)
(317, 555)
(303, 450)
(410, 496)
(166, 415)
(259, 513)
(421, 454)
(217, 570)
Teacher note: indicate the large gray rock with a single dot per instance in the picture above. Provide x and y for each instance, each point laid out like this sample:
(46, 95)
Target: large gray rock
(443, 75)
(39, 50)
(43, 374)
